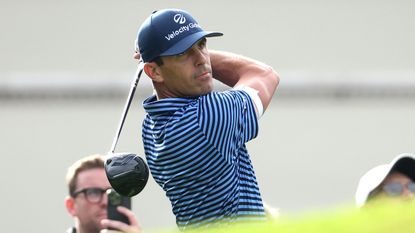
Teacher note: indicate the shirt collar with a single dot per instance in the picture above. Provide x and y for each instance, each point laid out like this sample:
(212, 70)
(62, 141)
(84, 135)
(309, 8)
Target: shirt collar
(165, 106)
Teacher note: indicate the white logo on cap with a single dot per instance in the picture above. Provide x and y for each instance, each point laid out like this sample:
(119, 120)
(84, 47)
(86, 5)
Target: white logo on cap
(179, 18)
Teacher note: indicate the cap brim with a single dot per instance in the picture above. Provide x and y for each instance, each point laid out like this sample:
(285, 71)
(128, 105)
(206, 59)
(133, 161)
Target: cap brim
(189, 41)
(369, 181)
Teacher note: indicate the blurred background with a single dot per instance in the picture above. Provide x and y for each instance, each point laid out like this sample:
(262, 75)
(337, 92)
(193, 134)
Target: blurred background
(346, 100)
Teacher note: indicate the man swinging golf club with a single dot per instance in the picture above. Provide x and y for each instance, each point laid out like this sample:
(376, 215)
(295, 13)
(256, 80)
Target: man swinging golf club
(194, 138)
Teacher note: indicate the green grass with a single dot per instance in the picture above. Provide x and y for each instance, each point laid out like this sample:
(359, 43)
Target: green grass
(380, 217)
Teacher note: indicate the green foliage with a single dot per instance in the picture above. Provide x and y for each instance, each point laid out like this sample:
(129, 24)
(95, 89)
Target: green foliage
(377, 217)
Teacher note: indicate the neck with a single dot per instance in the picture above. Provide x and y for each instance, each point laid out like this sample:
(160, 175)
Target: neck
(84, 229)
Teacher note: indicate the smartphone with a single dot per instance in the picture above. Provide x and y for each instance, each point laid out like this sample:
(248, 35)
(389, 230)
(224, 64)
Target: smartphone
(115, 199)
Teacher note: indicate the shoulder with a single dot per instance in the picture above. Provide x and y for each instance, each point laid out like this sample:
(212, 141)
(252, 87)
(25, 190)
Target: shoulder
(227, 96)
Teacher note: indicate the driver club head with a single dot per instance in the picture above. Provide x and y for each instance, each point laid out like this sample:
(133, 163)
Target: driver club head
(127, 173)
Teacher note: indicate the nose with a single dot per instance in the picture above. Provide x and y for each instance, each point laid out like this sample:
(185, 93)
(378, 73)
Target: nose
(104, 199)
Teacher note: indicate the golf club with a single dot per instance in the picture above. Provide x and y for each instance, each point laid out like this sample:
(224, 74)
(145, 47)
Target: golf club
(127, 172)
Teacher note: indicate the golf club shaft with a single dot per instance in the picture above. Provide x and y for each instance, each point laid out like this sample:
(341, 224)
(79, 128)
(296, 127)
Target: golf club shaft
(128, 103)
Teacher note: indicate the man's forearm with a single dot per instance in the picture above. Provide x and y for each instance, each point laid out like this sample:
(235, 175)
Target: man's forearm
(225, 66)
(232, 69)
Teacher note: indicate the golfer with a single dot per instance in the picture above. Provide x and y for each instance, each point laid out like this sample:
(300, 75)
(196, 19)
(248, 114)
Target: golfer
(194, 138)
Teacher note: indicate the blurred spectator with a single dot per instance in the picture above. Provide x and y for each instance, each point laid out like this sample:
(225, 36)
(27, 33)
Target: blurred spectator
(395, 179)
(87, 199)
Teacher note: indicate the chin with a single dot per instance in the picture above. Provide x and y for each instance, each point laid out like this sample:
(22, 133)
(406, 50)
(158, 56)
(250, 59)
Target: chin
(206, 91)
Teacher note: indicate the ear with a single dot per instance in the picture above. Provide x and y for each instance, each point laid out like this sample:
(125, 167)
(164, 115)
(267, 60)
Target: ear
(153, 71)
(70, 205)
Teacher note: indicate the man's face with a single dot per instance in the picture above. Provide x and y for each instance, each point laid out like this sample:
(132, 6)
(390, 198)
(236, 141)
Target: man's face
(90, 214)
(398, 184)
(188, 74)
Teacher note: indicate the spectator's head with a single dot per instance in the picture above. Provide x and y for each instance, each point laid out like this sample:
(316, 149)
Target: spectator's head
(395, 179)
(87, 199)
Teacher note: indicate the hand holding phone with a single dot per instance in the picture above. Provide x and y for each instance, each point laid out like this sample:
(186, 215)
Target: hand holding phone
(115, 200)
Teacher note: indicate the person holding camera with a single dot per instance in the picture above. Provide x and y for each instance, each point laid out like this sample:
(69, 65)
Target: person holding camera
(87, 201)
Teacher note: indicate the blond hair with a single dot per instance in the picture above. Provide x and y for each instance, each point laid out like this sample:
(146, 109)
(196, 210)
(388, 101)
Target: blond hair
(86, 163)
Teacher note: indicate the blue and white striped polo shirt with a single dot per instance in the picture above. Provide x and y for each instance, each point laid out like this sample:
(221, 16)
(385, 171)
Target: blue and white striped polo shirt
(195, 149)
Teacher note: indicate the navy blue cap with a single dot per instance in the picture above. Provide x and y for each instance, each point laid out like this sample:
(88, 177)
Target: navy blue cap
(169, 32)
